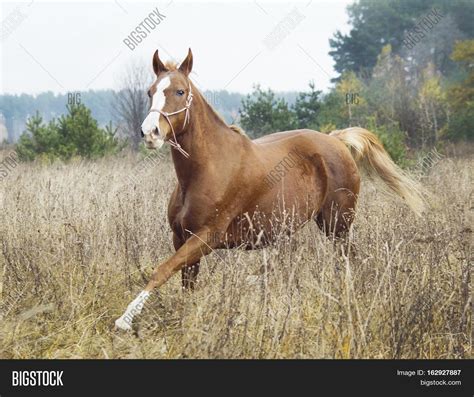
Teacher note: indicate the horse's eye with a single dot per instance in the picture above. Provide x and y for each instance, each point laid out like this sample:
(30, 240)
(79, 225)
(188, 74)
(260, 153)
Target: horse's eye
(180, 92)
(149, 94)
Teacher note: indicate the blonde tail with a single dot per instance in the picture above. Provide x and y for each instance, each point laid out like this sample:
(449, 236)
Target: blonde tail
(369, 152)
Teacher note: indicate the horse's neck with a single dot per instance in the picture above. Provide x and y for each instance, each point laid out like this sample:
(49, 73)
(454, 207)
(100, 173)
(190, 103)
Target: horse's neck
(206, 139)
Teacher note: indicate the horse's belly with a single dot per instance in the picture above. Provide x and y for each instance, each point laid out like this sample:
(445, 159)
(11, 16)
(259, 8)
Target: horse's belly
(284, 209)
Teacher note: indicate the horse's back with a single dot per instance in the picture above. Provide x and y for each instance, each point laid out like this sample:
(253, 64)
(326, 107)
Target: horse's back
(277, 136)
(320, 141)
(331, 153)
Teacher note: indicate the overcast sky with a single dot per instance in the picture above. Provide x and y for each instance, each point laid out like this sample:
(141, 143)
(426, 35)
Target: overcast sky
(72, 46)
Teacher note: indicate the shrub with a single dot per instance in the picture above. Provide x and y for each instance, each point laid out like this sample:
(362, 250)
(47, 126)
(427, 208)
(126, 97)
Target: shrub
(392, 138)
(75, 134)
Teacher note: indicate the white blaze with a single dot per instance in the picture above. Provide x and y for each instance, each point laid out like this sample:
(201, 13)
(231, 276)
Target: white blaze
(158, 102)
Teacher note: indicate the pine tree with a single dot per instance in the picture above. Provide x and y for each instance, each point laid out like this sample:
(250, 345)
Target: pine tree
(75, 134)
(263, 113)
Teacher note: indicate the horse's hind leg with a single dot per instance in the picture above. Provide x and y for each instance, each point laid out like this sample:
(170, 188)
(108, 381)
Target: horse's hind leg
(336, 217)
(335, 220)
(190, 272)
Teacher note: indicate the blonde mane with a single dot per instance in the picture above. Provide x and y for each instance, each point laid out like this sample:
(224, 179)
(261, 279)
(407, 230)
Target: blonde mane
(237, 129)
(171, 65)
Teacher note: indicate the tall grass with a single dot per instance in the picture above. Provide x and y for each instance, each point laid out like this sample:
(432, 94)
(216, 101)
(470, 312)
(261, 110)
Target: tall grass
(79, 241)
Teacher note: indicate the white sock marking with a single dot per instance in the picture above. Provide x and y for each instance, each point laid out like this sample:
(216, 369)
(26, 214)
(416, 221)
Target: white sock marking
(135, 307)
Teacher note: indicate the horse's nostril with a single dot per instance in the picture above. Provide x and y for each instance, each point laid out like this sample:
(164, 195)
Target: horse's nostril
(141, 132)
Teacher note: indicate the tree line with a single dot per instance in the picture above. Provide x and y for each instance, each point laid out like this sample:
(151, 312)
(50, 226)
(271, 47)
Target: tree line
(405, 72)
(405, 110)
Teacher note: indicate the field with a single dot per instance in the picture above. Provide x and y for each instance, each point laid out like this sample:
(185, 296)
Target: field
(79, 240)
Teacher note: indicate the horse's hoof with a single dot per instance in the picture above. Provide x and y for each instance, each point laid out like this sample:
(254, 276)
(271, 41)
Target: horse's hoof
(121, 324)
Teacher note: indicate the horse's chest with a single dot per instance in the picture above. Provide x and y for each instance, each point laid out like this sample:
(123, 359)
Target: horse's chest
(190, 214)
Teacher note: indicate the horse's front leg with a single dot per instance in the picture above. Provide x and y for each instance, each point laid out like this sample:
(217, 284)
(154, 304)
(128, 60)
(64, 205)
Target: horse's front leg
(189, 253)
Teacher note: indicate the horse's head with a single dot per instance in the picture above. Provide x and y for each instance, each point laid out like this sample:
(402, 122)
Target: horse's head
(171, 97)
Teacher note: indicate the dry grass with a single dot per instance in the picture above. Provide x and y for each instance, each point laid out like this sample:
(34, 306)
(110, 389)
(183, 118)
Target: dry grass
(78, 243)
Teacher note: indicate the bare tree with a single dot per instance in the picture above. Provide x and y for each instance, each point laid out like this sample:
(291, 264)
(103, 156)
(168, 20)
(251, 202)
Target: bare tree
(131, 101)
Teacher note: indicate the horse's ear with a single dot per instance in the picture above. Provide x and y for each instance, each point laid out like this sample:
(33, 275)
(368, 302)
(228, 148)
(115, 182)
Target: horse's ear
(158, 66)
(187, 64)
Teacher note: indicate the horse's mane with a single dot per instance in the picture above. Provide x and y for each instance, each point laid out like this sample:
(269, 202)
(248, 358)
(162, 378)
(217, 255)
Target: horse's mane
(237, 129)
(233, 127)
(171, 65)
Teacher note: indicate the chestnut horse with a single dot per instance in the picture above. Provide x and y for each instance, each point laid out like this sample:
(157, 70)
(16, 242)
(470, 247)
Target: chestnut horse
(233, 191)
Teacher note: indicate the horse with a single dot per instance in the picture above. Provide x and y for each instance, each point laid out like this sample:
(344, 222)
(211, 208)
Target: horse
(230, 188)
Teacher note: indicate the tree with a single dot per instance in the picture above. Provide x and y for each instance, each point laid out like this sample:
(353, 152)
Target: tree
(434, 49)
(331, 115)
(74, 134)
(391, 95)
(431, 102)
(263, 113)
(351, 94)
(374, 25)
(378, 23)
(307, 108)
(39, 138)
(461, 94)
(131, 101)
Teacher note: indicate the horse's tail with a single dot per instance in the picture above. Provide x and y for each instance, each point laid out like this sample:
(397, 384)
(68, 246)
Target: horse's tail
(369, 152)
